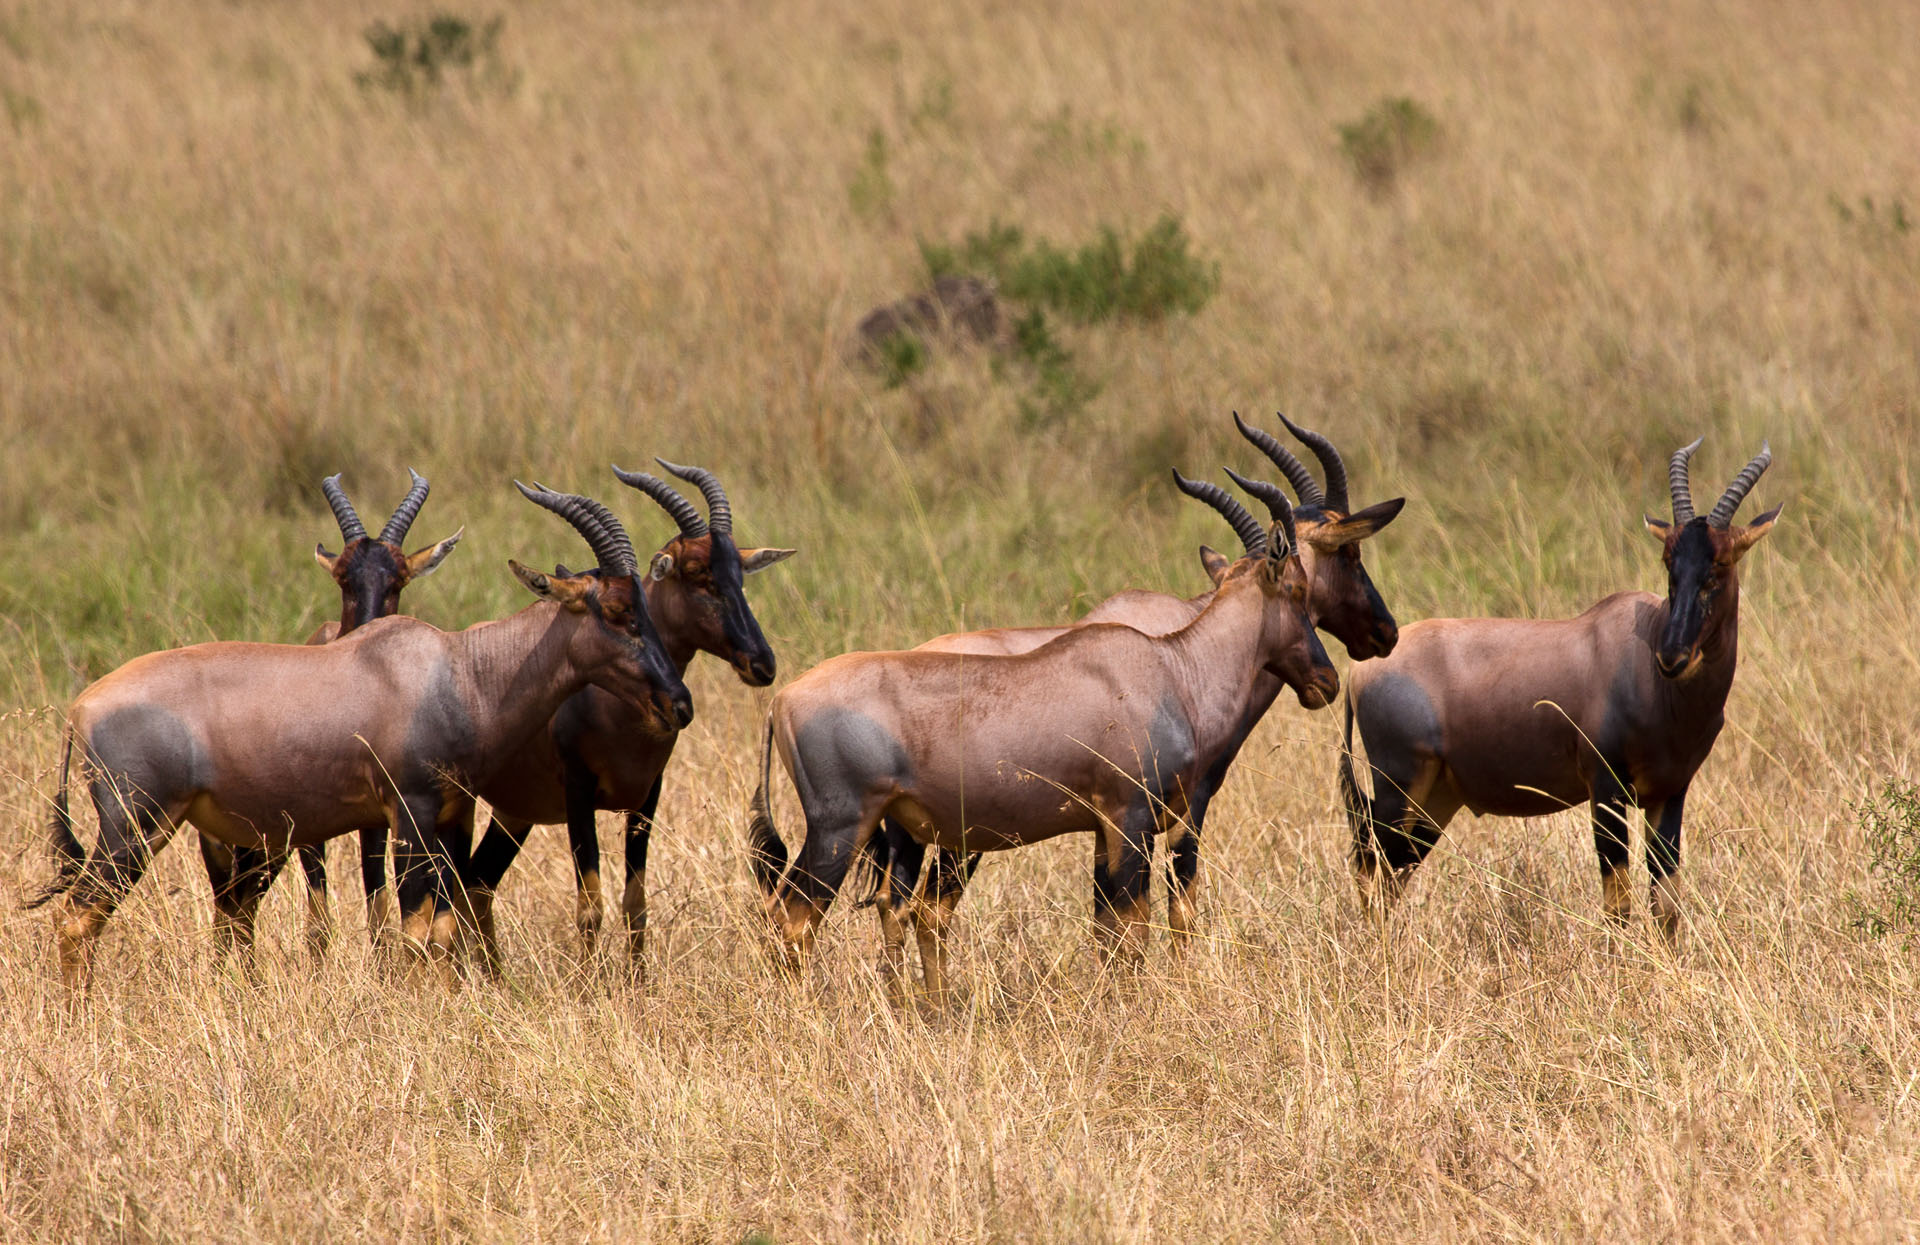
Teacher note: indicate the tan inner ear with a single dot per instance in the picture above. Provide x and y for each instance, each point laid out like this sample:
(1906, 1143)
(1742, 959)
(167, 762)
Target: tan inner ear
(1741, 539)
(1657, 528)
(752, 560)
(568, 592)
(324, 558)
(427, 560)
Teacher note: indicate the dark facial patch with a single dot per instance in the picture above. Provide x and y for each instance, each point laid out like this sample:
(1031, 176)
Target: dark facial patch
(1694, 581)
(370, 575)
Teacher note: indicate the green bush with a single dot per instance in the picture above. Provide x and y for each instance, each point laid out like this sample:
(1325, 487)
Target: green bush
(1891, 825)
(419, 55)
(1381, 144)
(1105, 278)
(899, 356)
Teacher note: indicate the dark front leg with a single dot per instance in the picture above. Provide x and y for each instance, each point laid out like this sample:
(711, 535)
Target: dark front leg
(1183, 864)
(1610, 798)
(633, 899)
(583, 838)
(313, 863)
(497, 851)
(381, 913)
(431, 876)
(1663, 862)
(1126, 879)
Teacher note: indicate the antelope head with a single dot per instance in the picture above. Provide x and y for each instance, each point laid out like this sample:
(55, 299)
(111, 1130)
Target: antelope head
(371, 570)
(1342, 600)
(1701, 554)
(697, 582)
(1290, 648)
(616, 640)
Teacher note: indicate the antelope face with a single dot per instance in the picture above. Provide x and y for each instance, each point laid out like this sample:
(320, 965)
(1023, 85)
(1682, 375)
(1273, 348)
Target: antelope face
(371, 574)
(1294, 654)
(1341, 598)
(618, 643)
(1701, 581)
(697, 588)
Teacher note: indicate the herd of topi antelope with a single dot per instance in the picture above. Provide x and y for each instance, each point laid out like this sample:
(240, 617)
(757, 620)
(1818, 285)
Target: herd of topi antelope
(1122, 725)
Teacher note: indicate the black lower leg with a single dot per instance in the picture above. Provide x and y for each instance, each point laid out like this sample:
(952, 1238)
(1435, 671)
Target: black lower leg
(633, 898)
(1129, 875)
(1663, 861)
(583, 839)
(1610, 797)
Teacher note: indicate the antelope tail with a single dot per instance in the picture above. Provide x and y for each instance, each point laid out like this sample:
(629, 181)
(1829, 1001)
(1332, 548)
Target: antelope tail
(1359, 807)
(69, 858)
(766, 851)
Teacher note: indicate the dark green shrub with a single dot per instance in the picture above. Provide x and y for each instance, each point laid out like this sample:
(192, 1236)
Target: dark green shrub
(1105, 278)
(419, 55)
(1060, 390)
(1391, 135)
(898, 357)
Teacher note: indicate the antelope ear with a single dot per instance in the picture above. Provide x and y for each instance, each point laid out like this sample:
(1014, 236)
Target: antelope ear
(427, 560)
(1340, 533)
(661, 566)
(1659, 529)
(1216, 564)
(752, 560)
(571, 593)
(325, 559)
(1741, 539)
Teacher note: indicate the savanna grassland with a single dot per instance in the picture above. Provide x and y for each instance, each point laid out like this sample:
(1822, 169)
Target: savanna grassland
(229, 266)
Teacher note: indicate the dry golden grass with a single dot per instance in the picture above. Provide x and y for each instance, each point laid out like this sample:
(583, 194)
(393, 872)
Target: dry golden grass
(225, 270)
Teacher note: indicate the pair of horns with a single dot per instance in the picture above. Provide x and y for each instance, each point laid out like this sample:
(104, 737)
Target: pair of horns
(719, 510)
(1679, 483)
(1252, 536)
(351, 529)
(612, 549)
(1334, 496)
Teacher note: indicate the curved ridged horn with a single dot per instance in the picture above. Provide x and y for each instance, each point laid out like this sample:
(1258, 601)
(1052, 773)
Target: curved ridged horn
(719, 510)
(1737, 491)
(1275, 499)
(1678, 485)
(691, 524)
(403, 515)
(1248, 528)
(1330, 462)
(1296, 471)
(604, 535)
(351, 529)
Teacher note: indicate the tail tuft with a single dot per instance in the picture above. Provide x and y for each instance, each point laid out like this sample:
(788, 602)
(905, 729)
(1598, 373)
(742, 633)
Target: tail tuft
(766, 851)
(69, 857)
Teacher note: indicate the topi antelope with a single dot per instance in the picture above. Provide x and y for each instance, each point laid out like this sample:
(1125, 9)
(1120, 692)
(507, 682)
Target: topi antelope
(1105, 729)
(1341, 601)
(269, 746)
(371, 572)
(598, 752)
(1523, 718)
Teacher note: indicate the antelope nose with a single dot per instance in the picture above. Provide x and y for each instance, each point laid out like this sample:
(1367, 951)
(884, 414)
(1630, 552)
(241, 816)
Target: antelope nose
(760, 671)
(1671, 664)
(682, 710)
